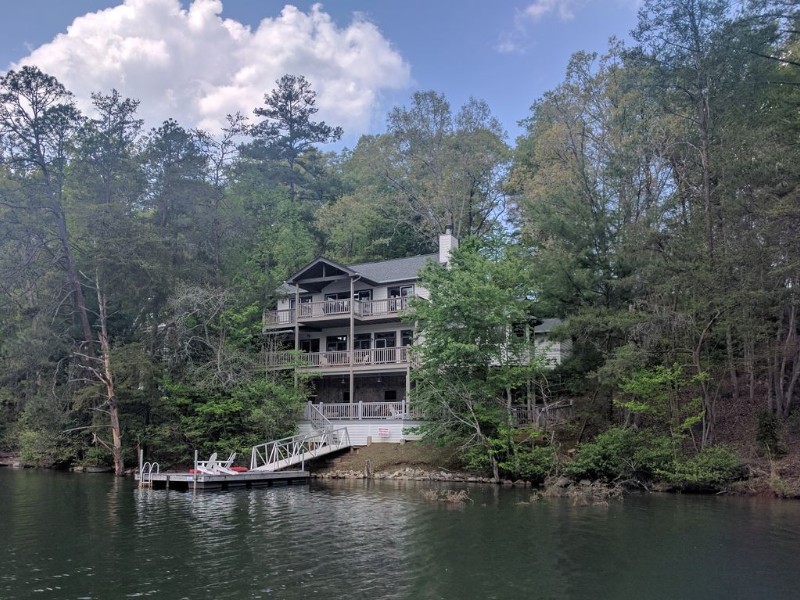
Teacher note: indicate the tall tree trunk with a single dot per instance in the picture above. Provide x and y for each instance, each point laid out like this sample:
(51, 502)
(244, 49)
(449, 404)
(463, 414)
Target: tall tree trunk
(74, 282)
(731, 365)
(108, 380)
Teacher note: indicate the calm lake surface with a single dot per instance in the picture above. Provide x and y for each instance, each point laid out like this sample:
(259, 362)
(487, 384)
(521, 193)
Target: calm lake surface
(90, 536)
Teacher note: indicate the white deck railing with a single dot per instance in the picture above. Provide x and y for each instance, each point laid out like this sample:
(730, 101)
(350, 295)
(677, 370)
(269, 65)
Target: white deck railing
(309, 311)
(357, 411)
(338, 358)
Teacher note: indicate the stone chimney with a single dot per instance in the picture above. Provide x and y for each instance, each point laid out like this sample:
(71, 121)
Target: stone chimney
(447, 242)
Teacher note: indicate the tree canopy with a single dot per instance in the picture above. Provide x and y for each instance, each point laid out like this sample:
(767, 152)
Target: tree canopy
(651, 203)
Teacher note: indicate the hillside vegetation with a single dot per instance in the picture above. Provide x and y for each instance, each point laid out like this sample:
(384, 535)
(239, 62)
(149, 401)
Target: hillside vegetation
(653, 203)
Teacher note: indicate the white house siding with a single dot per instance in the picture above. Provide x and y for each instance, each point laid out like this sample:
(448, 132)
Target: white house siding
(554, 351)
(362, 433)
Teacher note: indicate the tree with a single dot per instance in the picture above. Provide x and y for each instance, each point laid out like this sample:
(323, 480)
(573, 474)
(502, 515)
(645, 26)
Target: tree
(38, 122)
(444, 169)
(476, 348)
(287, 136)
(365, 223)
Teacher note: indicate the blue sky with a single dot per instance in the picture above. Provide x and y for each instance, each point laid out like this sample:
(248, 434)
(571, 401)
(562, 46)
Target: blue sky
(197, 60)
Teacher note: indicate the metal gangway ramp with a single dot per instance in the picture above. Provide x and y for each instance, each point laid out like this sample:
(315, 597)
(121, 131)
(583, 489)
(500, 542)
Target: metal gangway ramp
(297, 449)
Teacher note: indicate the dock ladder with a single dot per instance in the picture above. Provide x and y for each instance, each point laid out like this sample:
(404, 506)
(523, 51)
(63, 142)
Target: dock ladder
(146, 473)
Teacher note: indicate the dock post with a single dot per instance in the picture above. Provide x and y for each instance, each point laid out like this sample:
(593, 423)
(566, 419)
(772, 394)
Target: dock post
(194, 475)
(141, 463)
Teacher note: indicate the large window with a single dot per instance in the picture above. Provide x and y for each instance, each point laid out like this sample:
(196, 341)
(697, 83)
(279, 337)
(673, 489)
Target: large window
(364, 299)
(309, 345)
(305, 304)
(337, 303)
(386, 340)
(362, 341)
(385, 343)
(335, 351)
(398, 297)
(336, 343)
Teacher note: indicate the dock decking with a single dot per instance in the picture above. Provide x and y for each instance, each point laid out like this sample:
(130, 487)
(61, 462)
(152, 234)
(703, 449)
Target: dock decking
(202, 481)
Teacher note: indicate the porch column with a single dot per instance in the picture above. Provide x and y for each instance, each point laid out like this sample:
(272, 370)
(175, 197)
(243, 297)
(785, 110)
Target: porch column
(296, 311)
(296, 327)
(351, 337)
(408, 388)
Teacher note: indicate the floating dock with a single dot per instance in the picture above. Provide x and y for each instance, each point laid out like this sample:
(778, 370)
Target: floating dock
(219, 481)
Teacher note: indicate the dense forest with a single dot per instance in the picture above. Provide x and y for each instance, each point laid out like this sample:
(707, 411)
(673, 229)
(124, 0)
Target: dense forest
(653, 202)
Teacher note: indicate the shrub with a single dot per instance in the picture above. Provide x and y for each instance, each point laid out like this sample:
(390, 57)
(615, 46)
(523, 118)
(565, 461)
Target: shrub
(708, 469)
(621, 454)
(768, 434)
(42, 448)
(532, 463)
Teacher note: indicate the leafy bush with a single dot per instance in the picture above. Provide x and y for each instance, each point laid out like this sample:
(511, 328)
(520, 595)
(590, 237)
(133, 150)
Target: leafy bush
(639, 455)
(43, 448)
(531, 463)
(620, 454)
(709, 468)
(768, 434)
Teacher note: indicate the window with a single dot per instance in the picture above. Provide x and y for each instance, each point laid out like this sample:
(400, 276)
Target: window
(364, 299)
(398, 296)
(385, 346)
(337, 303)
(309, 345)
(406, 337)
(336, 343)
(386, 340)
(305, 304)
(362, 341)
(390, 395)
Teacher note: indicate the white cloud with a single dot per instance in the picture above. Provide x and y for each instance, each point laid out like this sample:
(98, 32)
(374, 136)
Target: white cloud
(195, 66)
(540, 9)
(517, 39)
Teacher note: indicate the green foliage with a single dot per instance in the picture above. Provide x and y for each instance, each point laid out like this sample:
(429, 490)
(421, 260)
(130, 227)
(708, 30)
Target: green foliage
(642, 457)
(43, 448)
(523, 454)
(472, 358)
(622, 454)
(222, 420)
(710, 468)
(768, 438)
(656, 393)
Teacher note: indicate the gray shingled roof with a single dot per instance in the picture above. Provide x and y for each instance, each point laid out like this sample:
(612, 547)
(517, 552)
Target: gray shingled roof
(547, 325)
(384, 271)
(398, 269)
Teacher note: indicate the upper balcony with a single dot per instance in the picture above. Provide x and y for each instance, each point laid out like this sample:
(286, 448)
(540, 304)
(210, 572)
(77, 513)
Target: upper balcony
(337, 312)
(377, 360)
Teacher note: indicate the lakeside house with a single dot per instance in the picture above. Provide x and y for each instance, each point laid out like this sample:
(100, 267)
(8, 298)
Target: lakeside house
(346, 327)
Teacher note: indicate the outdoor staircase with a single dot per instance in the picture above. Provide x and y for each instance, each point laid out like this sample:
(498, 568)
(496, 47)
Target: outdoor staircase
(297, 449)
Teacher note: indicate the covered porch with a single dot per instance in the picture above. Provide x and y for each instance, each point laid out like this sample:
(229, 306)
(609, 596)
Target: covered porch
(367, 422)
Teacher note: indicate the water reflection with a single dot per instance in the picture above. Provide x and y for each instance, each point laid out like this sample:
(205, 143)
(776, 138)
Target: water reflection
(83, 536)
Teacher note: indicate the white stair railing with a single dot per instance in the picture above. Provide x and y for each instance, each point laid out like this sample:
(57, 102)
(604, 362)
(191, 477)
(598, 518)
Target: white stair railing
(295, 450)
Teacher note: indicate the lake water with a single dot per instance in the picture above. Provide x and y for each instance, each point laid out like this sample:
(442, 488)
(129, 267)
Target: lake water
(77, 536)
